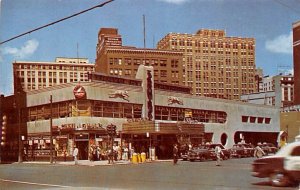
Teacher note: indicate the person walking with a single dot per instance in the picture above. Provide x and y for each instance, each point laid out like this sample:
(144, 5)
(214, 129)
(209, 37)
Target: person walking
(218, 152)
(175, 154)
(125, 153)
(75, 154)
(258, 151)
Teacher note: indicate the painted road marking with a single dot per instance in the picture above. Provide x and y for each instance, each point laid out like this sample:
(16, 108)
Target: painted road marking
(30, 183)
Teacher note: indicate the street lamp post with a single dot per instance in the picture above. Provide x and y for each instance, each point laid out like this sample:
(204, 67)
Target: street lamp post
(51, 138)
(17, 106)
(20, 157)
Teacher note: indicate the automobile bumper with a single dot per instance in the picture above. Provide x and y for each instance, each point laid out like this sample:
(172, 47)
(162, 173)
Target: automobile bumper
(256, 174)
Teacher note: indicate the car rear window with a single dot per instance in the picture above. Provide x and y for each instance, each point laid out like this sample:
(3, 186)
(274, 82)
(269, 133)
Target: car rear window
(296, 151)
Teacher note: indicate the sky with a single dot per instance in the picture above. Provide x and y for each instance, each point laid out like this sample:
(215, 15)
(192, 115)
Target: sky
(268, 21)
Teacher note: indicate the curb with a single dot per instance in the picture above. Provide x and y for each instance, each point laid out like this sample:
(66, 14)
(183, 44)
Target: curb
(95, 163)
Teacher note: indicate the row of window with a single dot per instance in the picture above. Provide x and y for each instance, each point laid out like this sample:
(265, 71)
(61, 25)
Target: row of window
(55, 67)
(253, 119)
(120, 110)
(85, 108)
(212, 44)
(154, 62)
(179, 114)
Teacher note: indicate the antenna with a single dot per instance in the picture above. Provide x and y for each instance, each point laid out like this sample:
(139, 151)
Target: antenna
(153, 41)
(77, 51)
(144, 27)
(144, 24)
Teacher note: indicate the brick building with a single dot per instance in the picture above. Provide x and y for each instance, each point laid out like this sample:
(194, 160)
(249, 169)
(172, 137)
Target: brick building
(115, 59)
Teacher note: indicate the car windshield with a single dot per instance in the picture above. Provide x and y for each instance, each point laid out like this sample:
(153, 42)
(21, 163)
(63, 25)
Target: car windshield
(286, 150)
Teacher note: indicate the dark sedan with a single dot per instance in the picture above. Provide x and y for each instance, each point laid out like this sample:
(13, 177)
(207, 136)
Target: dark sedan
(225, 152)
(242, 150)
(200, 153)
(282, 169)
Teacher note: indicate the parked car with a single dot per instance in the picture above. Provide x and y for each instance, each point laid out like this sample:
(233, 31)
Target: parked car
(183, 152)
(226, 153)
(282, 168)
(200, 153)
(268, 148)
(242, 150)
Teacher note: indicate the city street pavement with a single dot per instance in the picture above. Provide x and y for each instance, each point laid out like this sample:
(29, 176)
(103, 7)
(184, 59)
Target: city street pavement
(233, 174)
(96, 163)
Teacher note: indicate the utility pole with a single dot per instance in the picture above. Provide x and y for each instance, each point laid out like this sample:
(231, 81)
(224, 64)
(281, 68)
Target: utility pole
(51, 138)
(20, 158)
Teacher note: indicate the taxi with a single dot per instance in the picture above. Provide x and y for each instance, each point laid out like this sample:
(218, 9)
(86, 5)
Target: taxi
(282, 168)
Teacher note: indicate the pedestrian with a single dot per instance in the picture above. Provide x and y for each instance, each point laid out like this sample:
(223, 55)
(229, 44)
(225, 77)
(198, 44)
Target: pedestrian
(258, 151)
(55, 154)
(98, 151)
(110, 156)
(75, 154)
(175, 154)
(94, 153)
(218, 152)
(125, 153)
(91, 154)
(65, 155)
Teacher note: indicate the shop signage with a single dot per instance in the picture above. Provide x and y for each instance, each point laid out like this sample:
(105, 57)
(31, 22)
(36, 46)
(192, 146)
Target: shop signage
(84, 126)
(137, 120)
(79, 92)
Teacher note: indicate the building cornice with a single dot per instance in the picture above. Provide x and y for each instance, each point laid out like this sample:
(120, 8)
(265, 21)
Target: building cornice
(52, 63)
(142, 50)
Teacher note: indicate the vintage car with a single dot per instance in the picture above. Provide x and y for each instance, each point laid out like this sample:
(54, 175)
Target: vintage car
(242, 150)
(183, 152)
(268, 148)
(200, 153)
(282, 168)
(225, 152)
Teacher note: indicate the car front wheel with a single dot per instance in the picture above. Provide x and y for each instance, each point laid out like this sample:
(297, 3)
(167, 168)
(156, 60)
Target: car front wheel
(279, 179)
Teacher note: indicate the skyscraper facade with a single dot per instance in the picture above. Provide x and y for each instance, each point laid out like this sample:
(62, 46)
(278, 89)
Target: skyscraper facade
(215, 65)
(31, 75)
(296, 57)
(115, 59)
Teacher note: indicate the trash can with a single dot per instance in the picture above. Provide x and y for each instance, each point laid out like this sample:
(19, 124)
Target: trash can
(134, 158)
(139, 158)
(143, 157)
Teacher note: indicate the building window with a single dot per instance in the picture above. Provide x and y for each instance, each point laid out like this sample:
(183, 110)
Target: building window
(252, 119)
(245, 119)
(267, 120)
(260, 120)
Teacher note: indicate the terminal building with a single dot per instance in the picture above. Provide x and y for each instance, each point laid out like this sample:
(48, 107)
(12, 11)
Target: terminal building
(147, 114)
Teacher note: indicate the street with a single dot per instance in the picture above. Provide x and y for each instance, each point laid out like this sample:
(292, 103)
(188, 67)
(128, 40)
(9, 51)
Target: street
(233, 174)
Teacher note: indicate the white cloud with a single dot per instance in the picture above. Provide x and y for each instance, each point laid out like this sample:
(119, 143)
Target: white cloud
(175, 1)
(280, 44)
(26, 50)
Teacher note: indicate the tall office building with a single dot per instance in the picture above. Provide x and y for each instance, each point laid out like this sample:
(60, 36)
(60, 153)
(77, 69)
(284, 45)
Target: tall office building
(215, 65)
(115, 59)
(296, 56)
(30, 75)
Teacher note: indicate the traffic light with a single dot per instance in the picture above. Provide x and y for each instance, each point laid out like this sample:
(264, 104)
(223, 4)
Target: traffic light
(114, 130)
(3, 130)
(111, 130)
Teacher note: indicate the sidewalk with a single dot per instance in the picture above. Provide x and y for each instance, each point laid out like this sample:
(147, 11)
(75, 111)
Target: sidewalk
(94, 163)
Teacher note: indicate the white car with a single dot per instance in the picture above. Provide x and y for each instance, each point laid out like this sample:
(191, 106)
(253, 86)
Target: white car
(283, 168)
